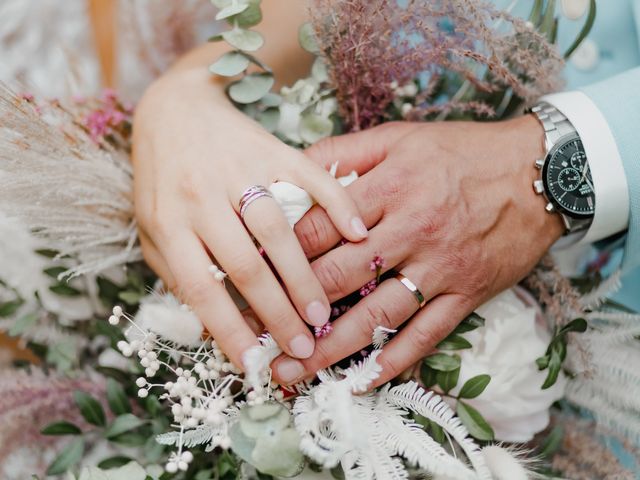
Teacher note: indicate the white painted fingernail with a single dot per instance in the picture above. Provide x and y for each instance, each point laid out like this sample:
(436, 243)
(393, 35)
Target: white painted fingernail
(317, 313)
(301, 346)
(290, 370)
(359, 228)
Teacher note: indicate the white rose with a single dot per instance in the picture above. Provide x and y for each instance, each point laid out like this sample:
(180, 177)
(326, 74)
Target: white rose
(506, 348)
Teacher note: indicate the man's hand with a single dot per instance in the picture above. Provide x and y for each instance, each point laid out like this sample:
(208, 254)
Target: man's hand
(450, 206)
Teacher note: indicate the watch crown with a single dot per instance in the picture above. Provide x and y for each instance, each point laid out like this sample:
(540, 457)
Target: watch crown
(550, 208)
(540, 163)
(538, 186)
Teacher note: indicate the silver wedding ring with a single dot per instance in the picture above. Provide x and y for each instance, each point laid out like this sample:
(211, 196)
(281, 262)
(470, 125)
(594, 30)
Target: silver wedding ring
(250, 195)
(417, 294)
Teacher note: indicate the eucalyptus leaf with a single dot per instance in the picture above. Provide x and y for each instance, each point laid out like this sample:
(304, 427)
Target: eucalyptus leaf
(23, 324)
(233, 9)
(454, 342)
(251, 88)
(61, 428)
(230, 64)
(221, 3)
(269, 119)
(117, 398)
(307, 38)
(90, 408)
(443, 362)
(123, 423)
(474, 386)
(474, 421)
(243, 39)
(315, 127)
(448, 380)
(271, 100)
(69, 456)
(251, 16)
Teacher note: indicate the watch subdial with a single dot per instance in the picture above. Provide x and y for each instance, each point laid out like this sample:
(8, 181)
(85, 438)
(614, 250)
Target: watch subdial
(569, 179)
(578, 159)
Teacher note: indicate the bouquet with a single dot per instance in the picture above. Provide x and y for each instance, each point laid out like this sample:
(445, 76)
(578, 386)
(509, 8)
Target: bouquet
(143, 392)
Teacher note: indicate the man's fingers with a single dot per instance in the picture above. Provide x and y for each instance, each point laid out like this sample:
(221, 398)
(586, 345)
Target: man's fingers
(425, 330)
(208, 298)
(316, 231)
(347, 268)
(389, 306)
(359, 151)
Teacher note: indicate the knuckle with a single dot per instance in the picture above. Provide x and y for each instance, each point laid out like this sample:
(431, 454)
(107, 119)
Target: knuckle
(376, 315)
(331, 276)
(196, 292)
(312, 232)
(280, 322)
(245, 269)
(423, 338)
(390, 367)
(395, 182)
(189, 189)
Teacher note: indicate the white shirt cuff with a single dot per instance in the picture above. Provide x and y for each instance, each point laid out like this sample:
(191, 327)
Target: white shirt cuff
(609, 180)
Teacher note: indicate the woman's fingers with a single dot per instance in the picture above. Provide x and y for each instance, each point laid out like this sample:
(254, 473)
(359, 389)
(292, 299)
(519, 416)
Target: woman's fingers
(265, 220)
(156, 261)
(207, 297)
(425, 330)
(230, 243)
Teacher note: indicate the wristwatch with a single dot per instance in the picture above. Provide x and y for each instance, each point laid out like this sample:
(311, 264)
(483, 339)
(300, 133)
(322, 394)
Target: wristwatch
(565, 178)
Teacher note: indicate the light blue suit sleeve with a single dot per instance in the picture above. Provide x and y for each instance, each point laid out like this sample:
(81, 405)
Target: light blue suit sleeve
(618, 98)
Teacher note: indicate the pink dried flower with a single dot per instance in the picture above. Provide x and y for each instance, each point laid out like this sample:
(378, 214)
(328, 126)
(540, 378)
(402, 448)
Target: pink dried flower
(377, 263)
(369, 287)
(107, 118)
(324, 330)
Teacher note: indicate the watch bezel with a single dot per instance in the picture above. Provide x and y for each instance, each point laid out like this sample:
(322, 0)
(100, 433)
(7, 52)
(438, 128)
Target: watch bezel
(562, 141)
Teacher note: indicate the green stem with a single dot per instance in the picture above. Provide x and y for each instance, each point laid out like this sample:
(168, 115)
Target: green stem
(586, 28)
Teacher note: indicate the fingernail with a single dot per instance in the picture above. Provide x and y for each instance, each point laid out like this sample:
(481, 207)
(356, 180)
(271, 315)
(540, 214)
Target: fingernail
(301, 346)
(358, 227)
(317, 313)
(290, 370)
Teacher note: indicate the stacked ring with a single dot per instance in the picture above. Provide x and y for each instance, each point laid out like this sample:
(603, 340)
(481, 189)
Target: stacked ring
(250, 195)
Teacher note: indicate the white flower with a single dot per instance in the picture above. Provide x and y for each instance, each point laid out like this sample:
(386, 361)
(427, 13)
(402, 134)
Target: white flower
(574, 9)
(506, 348)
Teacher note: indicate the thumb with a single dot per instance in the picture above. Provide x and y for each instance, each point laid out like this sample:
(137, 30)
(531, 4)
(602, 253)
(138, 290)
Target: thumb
(360, 151)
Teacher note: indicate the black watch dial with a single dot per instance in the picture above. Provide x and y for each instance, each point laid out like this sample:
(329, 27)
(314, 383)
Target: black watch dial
(567, 179)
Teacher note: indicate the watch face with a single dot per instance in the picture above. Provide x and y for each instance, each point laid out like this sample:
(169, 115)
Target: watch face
(567, 179)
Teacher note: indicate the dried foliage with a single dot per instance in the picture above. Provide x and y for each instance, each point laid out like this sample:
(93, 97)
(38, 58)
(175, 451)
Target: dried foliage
(371, 45)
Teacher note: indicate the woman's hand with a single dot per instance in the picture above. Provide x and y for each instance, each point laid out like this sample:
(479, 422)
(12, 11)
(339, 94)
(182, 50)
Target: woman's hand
(194, 156)
(451, 207)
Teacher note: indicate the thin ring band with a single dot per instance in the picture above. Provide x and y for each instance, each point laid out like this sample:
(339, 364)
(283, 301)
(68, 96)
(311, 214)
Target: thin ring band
(250, 195)
(417, 294)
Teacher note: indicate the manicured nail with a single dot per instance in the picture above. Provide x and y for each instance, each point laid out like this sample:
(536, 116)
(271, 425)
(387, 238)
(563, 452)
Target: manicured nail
(290, 370)
(301, 346)
(317, 313)
(358, 227)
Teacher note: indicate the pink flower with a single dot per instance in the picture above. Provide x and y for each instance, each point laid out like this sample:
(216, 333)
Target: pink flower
(324, 330)
(377, 263)
(368, 288)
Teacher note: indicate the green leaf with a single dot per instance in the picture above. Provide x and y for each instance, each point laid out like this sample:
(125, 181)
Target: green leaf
(315, 127)
(251, 16)
(448, 380)
(131, 297)
(555, 365)
(271, 100)
(108, 291)
(536, 12)
(114, 462)
(23, 324)
(117, 398)
(548, 18)
(542, 362)
(123, 423)
(443, 362)
(243, 39)
(474, 386)
(469, 324)
(230, 64)
(9, 308)
(204, 475)
(307, 38)
(152, 405)
(65, 290)
(45, 252)
(474, 421)
(577, 325)
(269, 119)
(454, 342)
(54, 272)
(130, 439)
(552, 443)
(436, 432)
(231, 10)
(251, 88)
(428, 375)
(90, 408)
(60, 428)
(586, 28)
(69, 456)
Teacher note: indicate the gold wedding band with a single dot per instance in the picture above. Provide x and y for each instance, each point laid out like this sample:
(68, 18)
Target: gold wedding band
(417, 294)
